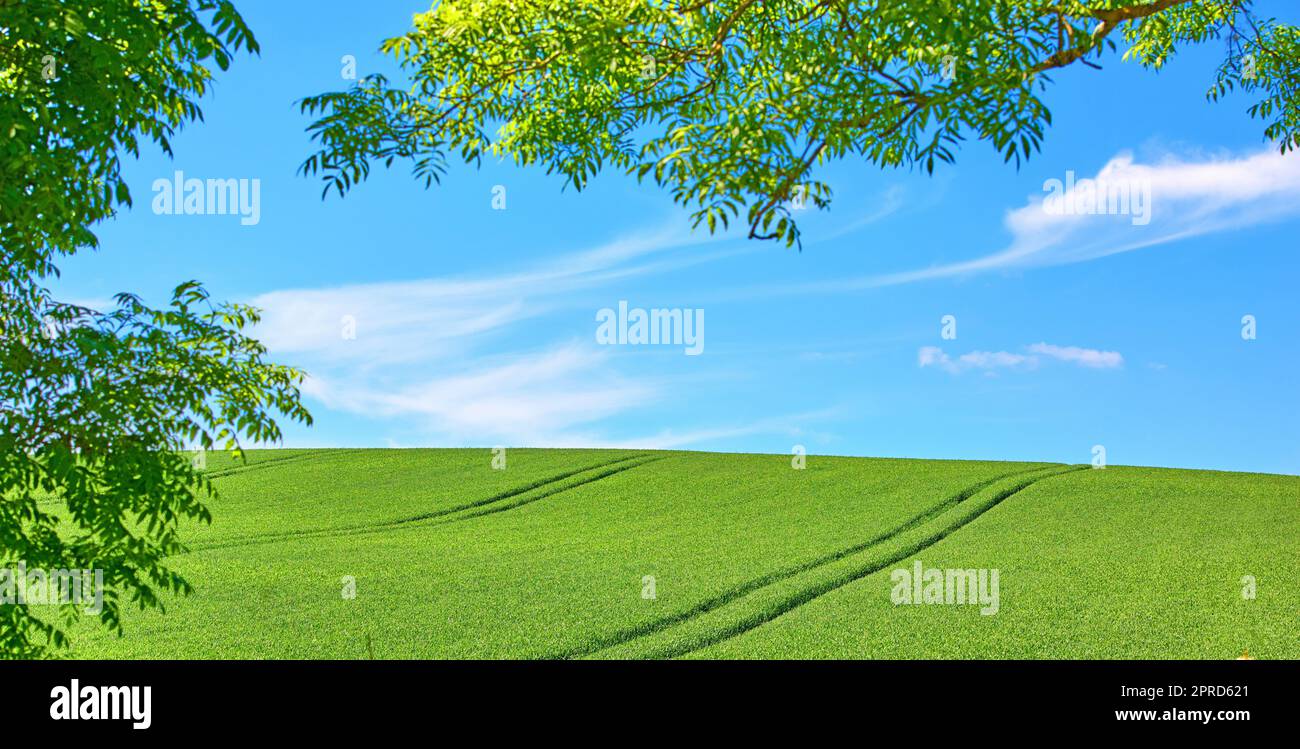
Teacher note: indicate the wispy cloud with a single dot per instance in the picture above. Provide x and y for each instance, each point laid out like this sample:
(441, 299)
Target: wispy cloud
(1188, 198)
(528, 399)
(1084, 357)
(884, 205)
(792, 426)
(552, 398)
(443, 357)
(933, 356)
(407, 321)
(990, 361)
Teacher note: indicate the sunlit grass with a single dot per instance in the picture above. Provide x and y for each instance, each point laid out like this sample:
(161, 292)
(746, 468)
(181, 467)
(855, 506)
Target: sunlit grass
(605, 553)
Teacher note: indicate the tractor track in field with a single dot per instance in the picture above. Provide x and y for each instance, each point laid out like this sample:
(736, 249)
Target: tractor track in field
(800, 597)
(239, 470)
(744, 589)
(609, 470)
(242, 469)
(477, 508)
(822, 589)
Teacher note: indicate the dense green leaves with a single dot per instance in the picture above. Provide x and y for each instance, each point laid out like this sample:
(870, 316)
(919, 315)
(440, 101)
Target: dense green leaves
(732, 105)
(81, 83)
(95, 406)
(96, 410)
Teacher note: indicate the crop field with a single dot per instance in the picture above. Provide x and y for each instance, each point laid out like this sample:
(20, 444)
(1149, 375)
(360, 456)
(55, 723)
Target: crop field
(648, 554)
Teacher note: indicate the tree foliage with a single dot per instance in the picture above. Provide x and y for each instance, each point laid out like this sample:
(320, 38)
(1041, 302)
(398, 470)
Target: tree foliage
(97, 406)
(97, 411)
(732, 104)
(81, 84)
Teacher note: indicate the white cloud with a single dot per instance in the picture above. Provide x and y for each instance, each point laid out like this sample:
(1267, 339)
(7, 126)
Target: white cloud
(885, 205)
(443, 356)
(933, 356)
(552, 398)
(1084, 357)
(788, 425)
(1188, 198)
(409, 321)
(528, 399)
(989, 361)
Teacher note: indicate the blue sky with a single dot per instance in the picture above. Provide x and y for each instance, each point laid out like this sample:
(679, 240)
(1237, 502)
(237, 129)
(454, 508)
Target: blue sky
(477, 327)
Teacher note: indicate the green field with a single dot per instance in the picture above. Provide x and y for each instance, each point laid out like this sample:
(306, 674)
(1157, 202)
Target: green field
(750, 558)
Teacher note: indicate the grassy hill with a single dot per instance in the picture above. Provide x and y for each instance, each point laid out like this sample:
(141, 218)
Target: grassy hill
(631, 554)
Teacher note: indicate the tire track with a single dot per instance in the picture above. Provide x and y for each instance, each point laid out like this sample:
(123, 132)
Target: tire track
(790, 601)
(478, 508)
(311, 455)
(245, 468)
(722, 599)
(544, 495)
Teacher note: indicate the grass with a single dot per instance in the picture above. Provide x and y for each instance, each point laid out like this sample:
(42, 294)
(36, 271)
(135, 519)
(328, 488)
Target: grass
(549, 558)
